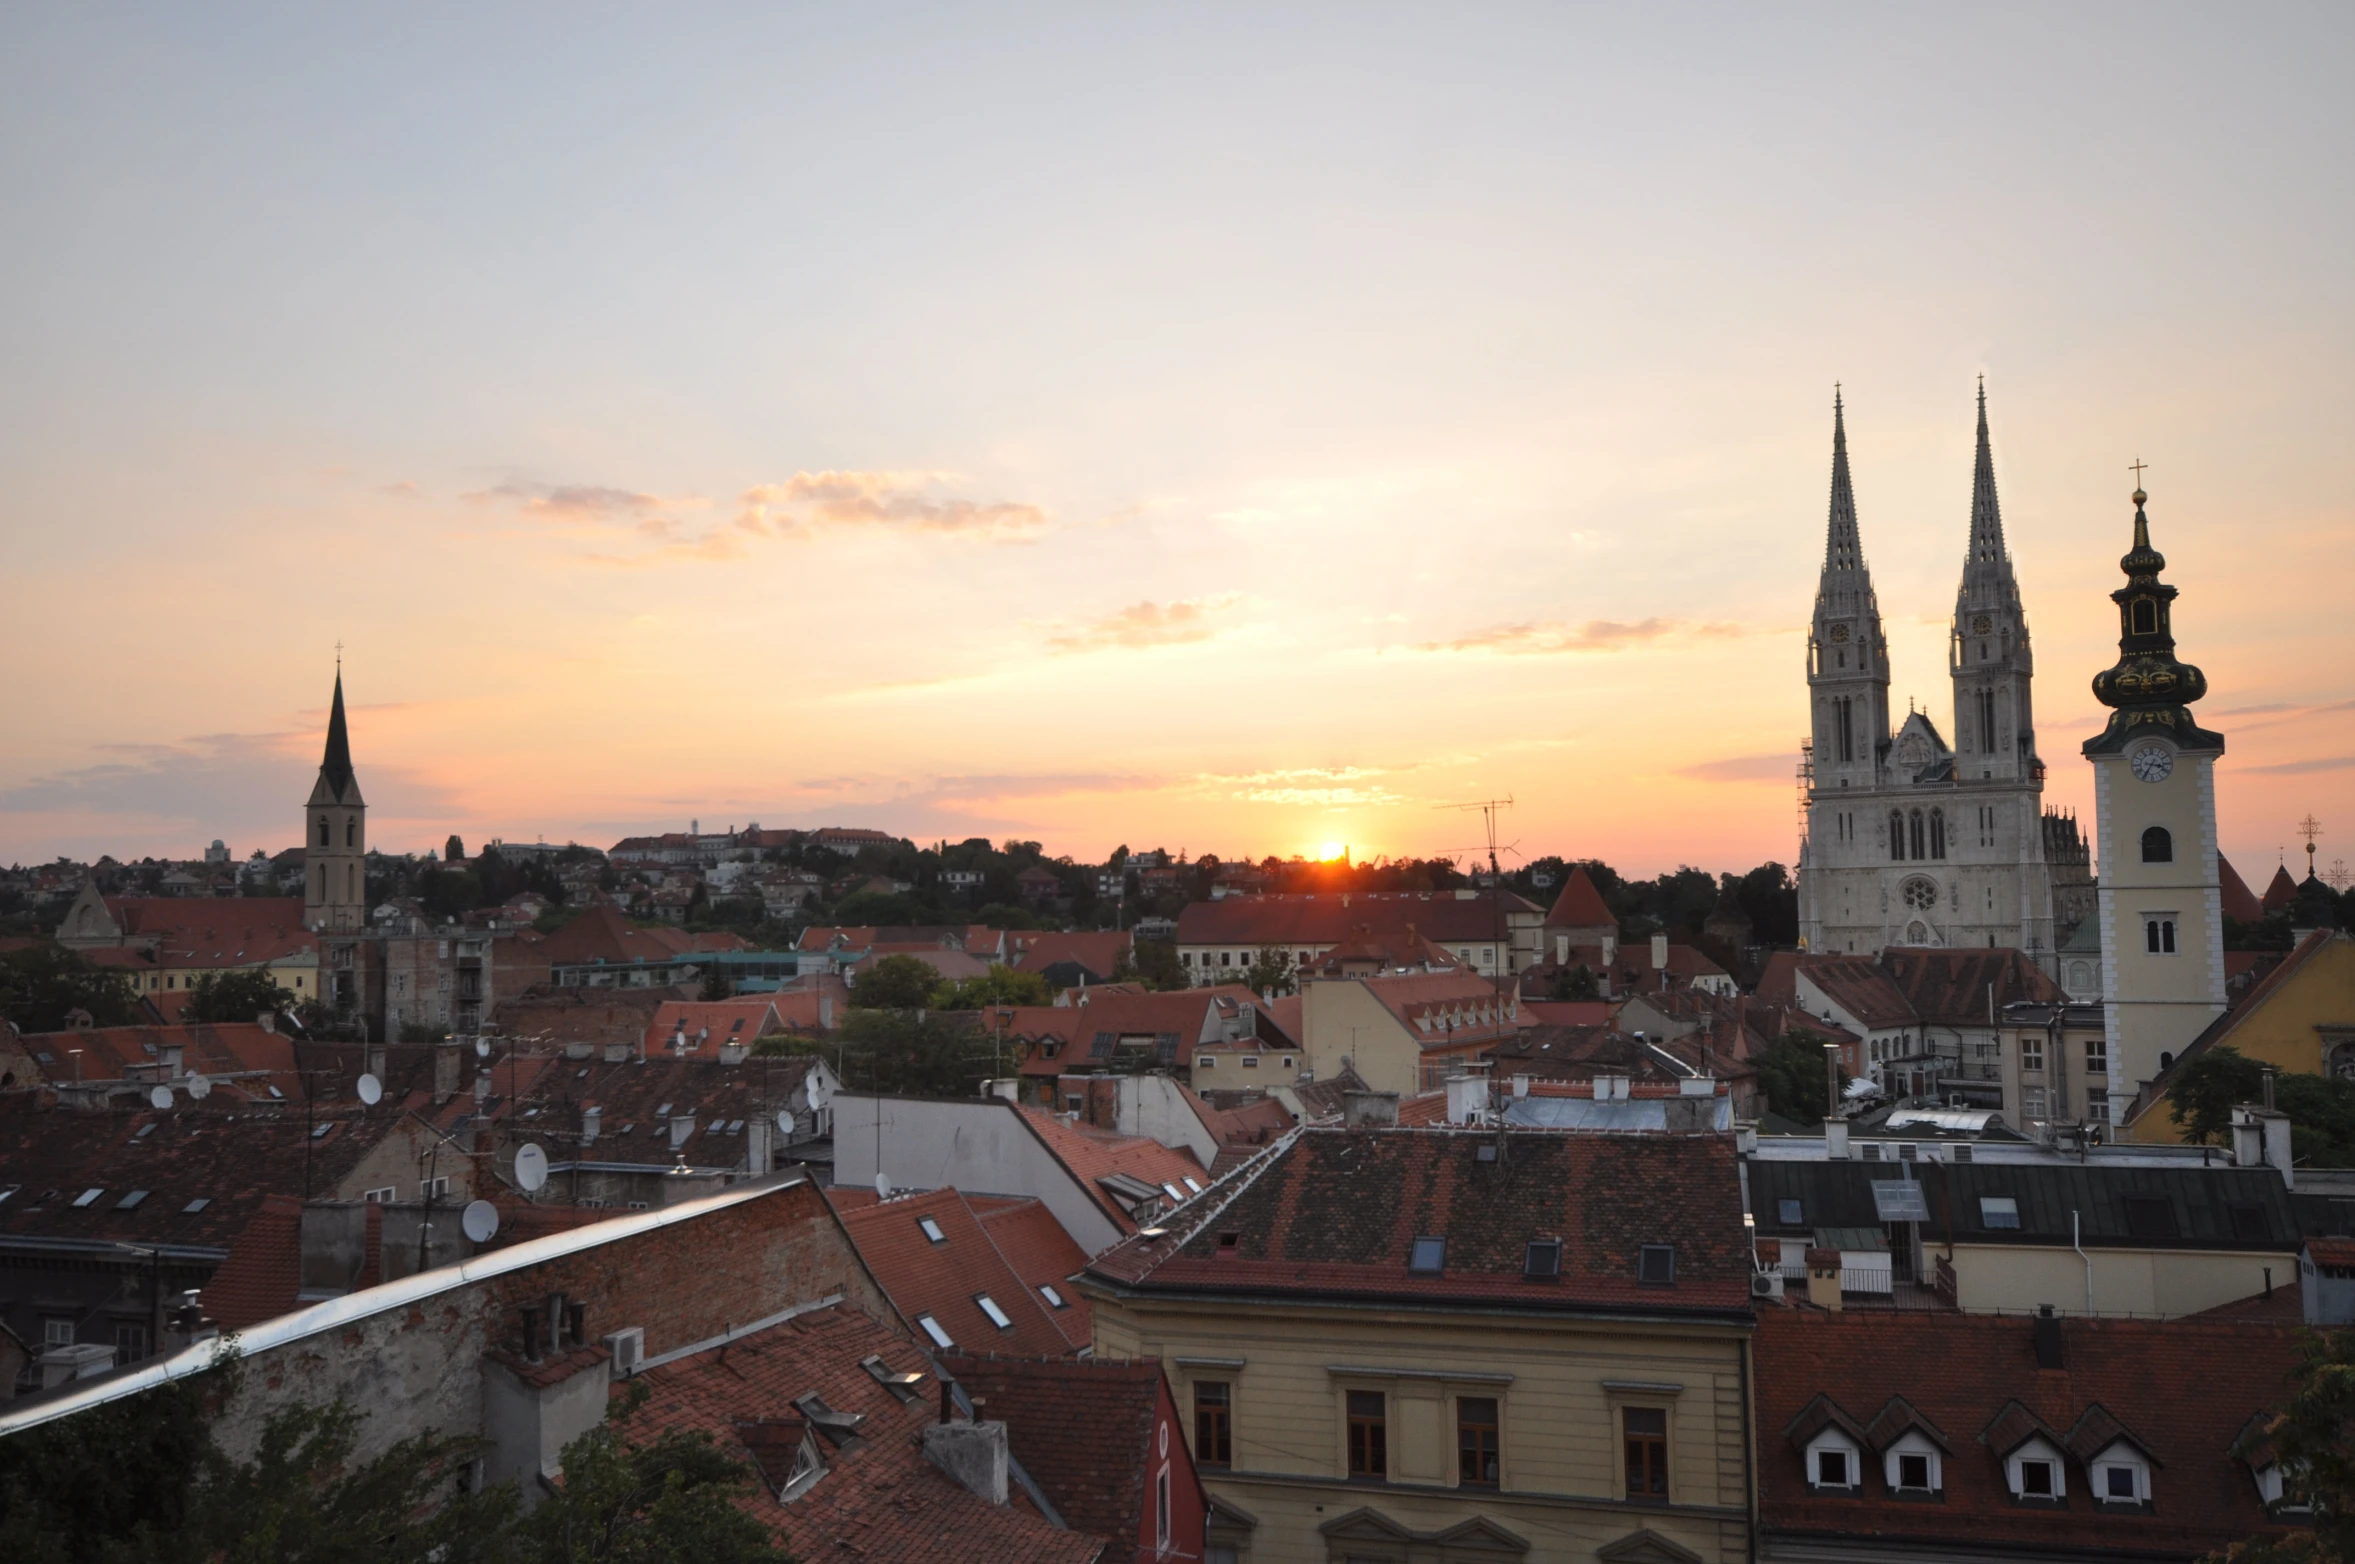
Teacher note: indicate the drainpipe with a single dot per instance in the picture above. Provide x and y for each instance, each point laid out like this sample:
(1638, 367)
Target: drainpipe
(2082, 1255)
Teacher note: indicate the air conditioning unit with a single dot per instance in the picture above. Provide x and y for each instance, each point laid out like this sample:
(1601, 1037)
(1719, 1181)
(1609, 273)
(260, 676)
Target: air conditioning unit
(628, 1349)
(1766, 1284)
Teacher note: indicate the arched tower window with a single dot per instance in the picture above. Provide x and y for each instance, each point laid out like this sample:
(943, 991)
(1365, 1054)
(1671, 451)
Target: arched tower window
(351, 882)
(351, 832)
(2157, 845)
(320, 879)
(1937, 833)
(1897, 836)
(2146, 616)
(1917, 843)
(322, 830)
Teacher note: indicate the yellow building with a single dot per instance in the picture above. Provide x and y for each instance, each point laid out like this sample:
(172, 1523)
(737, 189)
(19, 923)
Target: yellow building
(164, 944)
(2300, 1019)
(1437, 1344)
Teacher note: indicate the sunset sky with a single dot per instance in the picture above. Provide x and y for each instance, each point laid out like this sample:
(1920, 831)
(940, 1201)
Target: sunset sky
(1233, 428)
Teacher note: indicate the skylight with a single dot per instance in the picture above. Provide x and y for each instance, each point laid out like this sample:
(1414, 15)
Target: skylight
(1998, 1211)
(663, 1112)
(931, 1230)
(1656, 1265)
(144, 1130)
(1054, 1298)
(997, 1316)
(88, 1197)
(1196, 1188)
(1428, 1257)
(196, 1205)
(1542, 1262)
(1790, 1213)
(130, 1200)
(940, 1338)
(1171, 1190)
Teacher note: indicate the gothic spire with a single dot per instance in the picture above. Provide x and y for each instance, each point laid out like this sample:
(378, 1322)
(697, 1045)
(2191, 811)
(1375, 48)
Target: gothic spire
(1842, 550)
(1987, 550)
(335, 769)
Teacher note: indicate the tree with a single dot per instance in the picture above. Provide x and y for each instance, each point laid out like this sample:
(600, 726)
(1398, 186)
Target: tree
(42, 985)
(2321, 1110)
(716, 985)
(1157, 964)
(901, 1051)
(1577, 982)
(240, 995)
(1001, 985)
(671, 1501)
(1791, 1074)
(2313, 1438)
(1270, 972)
(894, 983)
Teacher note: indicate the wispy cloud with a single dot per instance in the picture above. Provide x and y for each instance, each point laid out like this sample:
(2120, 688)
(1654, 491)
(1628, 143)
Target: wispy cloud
(2258, 711)
(1551, 638)
(1325, 787)
(2299, 768)
(807, 503)
(1743, 768)
(1145, 624)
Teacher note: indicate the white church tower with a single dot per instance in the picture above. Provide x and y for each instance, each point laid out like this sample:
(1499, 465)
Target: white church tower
(2154, 788)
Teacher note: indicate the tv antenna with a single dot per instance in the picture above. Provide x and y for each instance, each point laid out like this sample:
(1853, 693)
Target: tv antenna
(1489, 809)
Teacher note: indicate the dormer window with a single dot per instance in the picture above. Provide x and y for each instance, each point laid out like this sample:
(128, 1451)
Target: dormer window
(1834, 1463)
(1911, 1466)
(2121, 1476)
(2035, 1474)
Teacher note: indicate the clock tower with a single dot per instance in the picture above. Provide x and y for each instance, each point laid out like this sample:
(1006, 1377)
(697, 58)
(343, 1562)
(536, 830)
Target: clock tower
(2154, 778)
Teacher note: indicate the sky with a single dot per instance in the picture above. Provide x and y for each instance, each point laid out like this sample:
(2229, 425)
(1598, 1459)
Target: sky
(1237, 429)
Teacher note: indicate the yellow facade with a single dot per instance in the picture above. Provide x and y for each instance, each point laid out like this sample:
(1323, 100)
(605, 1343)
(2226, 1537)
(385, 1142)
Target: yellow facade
(1562, 1388)
(2302, 1024)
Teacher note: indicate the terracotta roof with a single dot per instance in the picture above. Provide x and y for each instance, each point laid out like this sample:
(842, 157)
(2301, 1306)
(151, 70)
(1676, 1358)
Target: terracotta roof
(1443, 1009)
(1860, 986)
(1567, 1012)
(1951, 987)
(597, 1016)
(239, 1057)
(2238, 900)
(1580, 906)
(951, 965)
(215, 931)
(2281, 892)
(1093, 1155)
(880, 1501)
(1977, 1378)
(944, 1278)
(1043, 1255)
(712, 1022)
(1083, 1430)
(1336, 1212)
(638, 1102)
(1099, 954)
(1087, 1035)
(264, 1270)
(602, 933)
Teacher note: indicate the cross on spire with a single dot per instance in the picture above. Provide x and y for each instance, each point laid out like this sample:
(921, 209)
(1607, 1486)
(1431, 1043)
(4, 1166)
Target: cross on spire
(2309, 828)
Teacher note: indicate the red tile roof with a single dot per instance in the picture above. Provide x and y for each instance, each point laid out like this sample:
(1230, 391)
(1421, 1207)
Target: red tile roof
(2281, 892)
(1100, 954)
(943, 1279)
(1042, 1254)
(2238, 900)
(1580, 906)
(880, 1501)
(1336, 1212)
(1977, 1376)
(264, 1270)
(238, 1057)
(1083, 1430)
(712, 1023)
(1093, 1154)
(215, 931)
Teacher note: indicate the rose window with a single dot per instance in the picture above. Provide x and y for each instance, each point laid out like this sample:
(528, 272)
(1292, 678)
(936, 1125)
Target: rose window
(1921, 895)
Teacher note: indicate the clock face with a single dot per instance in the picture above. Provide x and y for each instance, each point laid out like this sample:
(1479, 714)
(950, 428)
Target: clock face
(2152, 762)
(1839, 632)
(1982, 624)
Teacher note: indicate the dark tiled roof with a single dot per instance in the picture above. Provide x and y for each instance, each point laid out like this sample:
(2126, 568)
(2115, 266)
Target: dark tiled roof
(2190, 1207)
(1974, 1379)
(880, 1501)
(1083, 1430)
(1336, 1212)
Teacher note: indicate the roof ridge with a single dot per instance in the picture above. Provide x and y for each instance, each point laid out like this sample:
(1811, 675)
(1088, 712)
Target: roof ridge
(1256, 1164)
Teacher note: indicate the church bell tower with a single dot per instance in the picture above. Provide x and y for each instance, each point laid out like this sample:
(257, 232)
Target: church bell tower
(335, 836)
(2154, 776)
(1987, 653)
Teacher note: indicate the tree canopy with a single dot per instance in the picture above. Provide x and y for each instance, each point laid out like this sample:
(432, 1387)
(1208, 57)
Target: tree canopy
(1791, 1074)
(237, 996)
(894, 983)
(2313, 1439)
(2321, 1110)
(41, 985)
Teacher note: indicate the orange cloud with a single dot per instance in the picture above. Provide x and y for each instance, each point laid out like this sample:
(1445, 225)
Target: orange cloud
(1548, 638)
(1145, 624)
(1743, 768)
(908, 501)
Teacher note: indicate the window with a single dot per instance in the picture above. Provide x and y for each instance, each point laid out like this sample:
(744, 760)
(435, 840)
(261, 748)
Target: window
(1831, 1469)
(323, 842)
(2248, 1222)
(1369, 1454)
(1055, 1300)
(196, 1205)
(434, 1188)
(931, 1327)
(2146, 616)
(1791, 1213)
(1912, 1473)
(2039, 1479)
(1937, 833)
(379, 1197)
(88, 1197)
(351, 833)
(2157, 845)
(997, 1316)
(2031, 1054)
(1656, 1265)
(2097, 1056)
(130, 1342)
(931, 1229)
(1644, 1432)
(1916, 840)
(1205, 1062)
(2150, 1216)
(2032, 1102)
(1542, 1260)
(1476, 1442)
(1428, 1257)
(1161, 1510)
(57, 1333)
(2158, 936)
(2118, 1482)
(130, 1200)
(1999, 1211)
(1214, 1427)
(1897, 836)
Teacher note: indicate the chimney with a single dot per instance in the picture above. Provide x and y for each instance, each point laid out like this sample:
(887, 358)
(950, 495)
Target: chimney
(591, 1118)
(1359, 1109)
(826, 1012)
(757, 1131)
(173, 1055)
(2048, 1340)
(372, 1060)
(1561, 950)
(1823, 1279)
(975, 1454)
(1835, 1139)
(682, 1126)
(1660, 955)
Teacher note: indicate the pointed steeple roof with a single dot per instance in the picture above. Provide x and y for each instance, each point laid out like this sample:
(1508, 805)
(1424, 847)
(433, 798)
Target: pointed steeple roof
(1581, 905)
(1843, 551)
(1987, 550)
(336, 781)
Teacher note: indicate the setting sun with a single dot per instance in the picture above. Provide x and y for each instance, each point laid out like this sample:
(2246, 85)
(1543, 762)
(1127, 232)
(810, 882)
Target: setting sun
(1331, 851)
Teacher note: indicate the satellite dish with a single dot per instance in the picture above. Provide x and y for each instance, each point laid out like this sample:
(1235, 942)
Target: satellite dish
(480, 1220)
(785, 1121)
(199, 1088)
(882, 1186)
(482, 1048)
(160, 1098)
(371, 1090)
(531, 1167)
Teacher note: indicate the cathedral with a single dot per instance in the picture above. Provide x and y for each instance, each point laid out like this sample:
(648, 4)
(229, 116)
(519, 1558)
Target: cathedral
(1910, 839)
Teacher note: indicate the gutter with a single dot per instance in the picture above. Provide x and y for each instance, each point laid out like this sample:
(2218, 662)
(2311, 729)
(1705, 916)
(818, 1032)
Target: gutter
(2082, 1255)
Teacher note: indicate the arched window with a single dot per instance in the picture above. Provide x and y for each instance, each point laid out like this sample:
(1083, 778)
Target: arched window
(1897, 836)
(351, 832)
(2146, 616)
(1917, 843)
(322, 830)
(1937, 833)
(351, 882)
(320, 879)
(2157, 845)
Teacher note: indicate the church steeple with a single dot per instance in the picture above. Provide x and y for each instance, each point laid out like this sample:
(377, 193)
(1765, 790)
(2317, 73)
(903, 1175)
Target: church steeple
(1987, 550)
(1988, 656)
(1847, 660)
(2149, 690)
(335, 768)
(1843, 552)
(335, 833)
